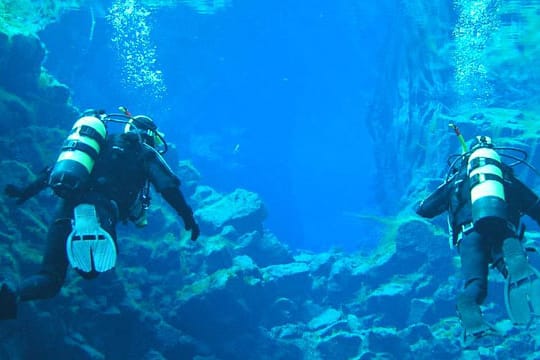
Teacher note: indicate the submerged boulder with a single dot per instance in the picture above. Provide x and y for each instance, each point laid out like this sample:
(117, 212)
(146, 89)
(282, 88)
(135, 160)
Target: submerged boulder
(242, 209)
(265, 249)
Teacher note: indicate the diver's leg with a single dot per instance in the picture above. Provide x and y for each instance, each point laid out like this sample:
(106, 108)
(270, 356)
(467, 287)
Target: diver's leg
(475, 255)
(48, 282)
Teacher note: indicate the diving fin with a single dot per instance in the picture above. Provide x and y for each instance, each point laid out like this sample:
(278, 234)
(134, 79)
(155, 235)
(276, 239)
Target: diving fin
(474, 325)
(522, 286)
(483, 337)
(89, 247)
(8, 303)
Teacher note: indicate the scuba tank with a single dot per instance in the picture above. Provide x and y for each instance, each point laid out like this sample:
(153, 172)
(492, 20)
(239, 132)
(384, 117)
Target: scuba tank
(489, 207)
(78, 156)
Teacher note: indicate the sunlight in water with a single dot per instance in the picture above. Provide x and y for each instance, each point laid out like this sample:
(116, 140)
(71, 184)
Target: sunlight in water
(132, 38)
(477, 21)
(208, 7)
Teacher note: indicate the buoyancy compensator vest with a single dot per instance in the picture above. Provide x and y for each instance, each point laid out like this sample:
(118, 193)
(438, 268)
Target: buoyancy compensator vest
(488, 200)
(121, 177)
(78, 156)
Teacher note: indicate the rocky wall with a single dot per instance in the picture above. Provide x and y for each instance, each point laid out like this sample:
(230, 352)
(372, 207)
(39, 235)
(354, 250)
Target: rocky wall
(236, 293)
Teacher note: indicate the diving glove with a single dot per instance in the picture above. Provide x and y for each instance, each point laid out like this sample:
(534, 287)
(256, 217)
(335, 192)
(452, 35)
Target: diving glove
(24, 193)
(16, 192)
(191, 225)
(8, 303)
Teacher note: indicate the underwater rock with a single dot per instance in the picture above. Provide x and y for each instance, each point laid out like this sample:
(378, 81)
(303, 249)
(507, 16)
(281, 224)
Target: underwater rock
(22, 145)
(205, 195)
(282, 311)
(329, 332)
(48, 341)
(227, 299)
(52, 91)
(241, 209)
(265, 249)
(32, 95)
(287, 280)
(418, 310)
(386, 340)
(22, 69)
(319, 264)
(342, 281)
(164, 256)
(4, 46)
(417, 332)
(173, 343)
(78, 347)
(16, 114)
(189, 175)
(153, 355)
(229, 232)
(262, 344)
(372, 356)
(391, 300)
(412, 248)
(217, 255)
(341, 345)
(288, 331)
(327, 318)
(19, 172)
(513, 348)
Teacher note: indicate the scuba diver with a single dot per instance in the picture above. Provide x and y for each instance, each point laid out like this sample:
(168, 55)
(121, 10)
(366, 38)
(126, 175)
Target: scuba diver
(485, 202)
(101, 178)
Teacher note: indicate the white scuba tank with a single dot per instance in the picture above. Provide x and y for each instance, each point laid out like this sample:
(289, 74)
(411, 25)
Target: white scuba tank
(78, 156)
(489, 207)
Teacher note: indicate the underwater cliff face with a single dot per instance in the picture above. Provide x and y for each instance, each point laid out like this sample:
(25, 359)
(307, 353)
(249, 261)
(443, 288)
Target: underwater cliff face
(240, 291)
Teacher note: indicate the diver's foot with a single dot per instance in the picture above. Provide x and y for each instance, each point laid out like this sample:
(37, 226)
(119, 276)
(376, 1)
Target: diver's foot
(522, 288)
(8, 303)
(515, 259)
(488, 335)
(522, 298)
(476, 331)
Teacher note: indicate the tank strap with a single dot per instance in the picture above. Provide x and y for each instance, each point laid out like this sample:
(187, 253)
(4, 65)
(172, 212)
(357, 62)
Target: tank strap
(478, 178)
(481, 161)
(72, 145)
(92, 134)
(463, 230)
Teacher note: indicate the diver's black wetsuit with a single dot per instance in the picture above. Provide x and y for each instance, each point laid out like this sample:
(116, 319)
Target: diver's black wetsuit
(114, 187)
(478, 250)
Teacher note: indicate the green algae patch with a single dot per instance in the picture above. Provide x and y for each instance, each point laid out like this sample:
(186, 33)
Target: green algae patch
(217, 280)
(29, 16)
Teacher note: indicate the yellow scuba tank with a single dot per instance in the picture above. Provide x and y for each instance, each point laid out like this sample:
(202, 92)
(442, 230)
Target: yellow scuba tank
(77, 158)
(489, 207)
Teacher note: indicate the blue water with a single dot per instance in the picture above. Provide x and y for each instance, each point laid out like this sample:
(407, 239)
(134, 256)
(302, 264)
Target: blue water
(268, 96)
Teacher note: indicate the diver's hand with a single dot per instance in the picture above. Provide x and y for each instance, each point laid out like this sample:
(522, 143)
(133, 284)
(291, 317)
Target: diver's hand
(16, 192)
(191, 225)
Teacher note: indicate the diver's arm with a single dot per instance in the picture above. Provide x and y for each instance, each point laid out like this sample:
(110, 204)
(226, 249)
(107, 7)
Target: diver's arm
(436, 203)
(168, 185)
(530, 202)
(176, 199)
(24, 193)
